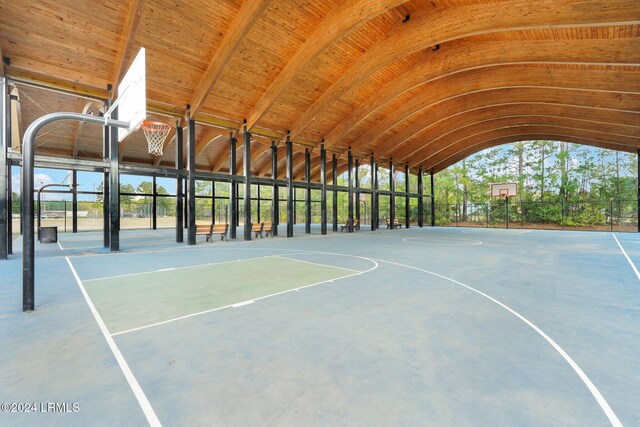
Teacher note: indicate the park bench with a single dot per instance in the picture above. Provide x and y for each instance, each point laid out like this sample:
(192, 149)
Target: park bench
(396, 224)
(204, 229)
(220, 229)
(267, 228)
(356, 226)
(257, 228)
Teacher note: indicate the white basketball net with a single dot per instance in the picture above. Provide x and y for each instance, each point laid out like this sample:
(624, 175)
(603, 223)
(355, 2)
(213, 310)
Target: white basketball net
(156, 133)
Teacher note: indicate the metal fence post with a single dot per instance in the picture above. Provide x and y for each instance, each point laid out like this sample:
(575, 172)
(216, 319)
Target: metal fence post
(611, 214)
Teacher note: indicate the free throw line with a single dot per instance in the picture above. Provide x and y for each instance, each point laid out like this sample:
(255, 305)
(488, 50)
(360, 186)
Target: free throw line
(635, 270)
(131, 379)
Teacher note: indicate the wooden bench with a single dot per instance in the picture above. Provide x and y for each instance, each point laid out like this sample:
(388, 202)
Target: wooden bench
(267, 228)
(204, 229)
(220, 229)
(257, 228)
(356, 225)
(396, 224)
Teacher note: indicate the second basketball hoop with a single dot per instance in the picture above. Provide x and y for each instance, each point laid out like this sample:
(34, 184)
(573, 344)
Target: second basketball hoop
(155, 132)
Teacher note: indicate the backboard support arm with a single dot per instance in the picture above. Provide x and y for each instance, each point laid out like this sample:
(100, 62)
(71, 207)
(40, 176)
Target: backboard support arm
(28, 152)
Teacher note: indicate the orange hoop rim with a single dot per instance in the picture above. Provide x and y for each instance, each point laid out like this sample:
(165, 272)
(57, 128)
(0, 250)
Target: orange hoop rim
(151, 125)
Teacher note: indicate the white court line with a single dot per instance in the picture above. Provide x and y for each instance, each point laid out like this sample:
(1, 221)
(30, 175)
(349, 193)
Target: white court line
(635, 270)
(152, 419)
(61, 248)
(239, 304)
(613, 419)
(175, 268)
(315, 263)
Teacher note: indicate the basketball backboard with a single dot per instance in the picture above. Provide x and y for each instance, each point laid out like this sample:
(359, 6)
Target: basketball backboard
(507, 189)
(132, 96)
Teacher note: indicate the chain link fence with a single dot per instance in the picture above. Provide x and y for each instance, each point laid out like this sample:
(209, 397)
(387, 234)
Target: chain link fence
(614, 215)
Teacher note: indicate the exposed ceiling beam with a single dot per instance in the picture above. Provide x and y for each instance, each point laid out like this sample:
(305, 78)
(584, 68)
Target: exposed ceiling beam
(210, 136)
(86, 107)
(473, 128)
(41, 80)
(342, 19)
(465, 55)
(127, 40)
(428, 130)
(502, 77)
(429, 29)
(478, 133)
(244, 19)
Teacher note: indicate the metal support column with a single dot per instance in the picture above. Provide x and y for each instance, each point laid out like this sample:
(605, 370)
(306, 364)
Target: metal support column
(334, 208)
(106, 221)
(233, 194)
(185, 210)
(307, 191)
(374, 192)
(433, 201)
(290, 202)
(9, 208)
(154, 204)
(407, 199)
(323, 190)
(179, 185)
(246, 170)
(638, 190)
(420, 201)
(357, 193)
(392, 196)
(350, 191)
(258, 206)
(275, 195)
(5, 209)
(213, 202)
(191, 181)
(376, 202)
(74, 201)
(114, 187)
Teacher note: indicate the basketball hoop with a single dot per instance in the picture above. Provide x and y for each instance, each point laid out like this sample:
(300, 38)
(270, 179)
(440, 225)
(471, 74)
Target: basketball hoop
(155, 133)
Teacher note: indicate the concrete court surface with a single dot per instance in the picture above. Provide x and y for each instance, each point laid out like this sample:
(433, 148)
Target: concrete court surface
(431, 326)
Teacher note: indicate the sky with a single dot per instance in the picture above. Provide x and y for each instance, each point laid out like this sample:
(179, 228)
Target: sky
(88, 181)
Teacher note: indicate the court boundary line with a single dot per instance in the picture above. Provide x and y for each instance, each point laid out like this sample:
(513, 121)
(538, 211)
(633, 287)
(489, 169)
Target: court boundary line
(59, 245)
(613, 419)
(144, 403)
(633, 266)
(242, 303)
(175, 268)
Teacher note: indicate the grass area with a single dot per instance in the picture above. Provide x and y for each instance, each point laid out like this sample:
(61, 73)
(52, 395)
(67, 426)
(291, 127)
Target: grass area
(132, 301)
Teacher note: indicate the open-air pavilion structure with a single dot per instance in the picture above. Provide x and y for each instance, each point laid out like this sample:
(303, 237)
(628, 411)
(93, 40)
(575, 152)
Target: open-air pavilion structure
(292, 95)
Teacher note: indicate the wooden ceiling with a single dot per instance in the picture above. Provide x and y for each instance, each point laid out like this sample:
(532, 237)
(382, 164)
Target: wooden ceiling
(422, 82)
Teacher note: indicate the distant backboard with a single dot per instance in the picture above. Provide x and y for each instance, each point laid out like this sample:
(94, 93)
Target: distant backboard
(507, 189)
(132, 96)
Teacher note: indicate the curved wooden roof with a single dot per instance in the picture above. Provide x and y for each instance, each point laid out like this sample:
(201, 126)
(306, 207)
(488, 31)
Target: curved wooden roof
(421, 82)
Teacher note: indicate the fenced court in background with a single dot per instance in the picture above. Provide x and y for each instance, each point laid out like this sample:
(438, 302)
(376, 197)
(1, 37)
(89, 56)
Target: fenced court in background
(612, 215)
(366, 328)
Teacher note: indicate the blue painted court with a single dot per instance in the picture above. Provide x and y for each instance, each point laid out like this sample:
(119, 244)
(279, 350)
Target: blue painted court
(431, 326)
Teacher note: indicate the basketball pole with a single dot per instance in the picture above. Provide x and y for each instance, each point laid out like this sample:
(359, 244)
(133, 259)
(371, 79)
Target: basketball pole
(28, 159)
(506, 207)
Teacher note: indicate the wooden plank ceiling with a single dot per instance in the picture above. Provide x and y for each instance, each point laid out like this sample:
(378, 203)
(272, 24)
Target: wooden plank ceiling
(421, 82)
